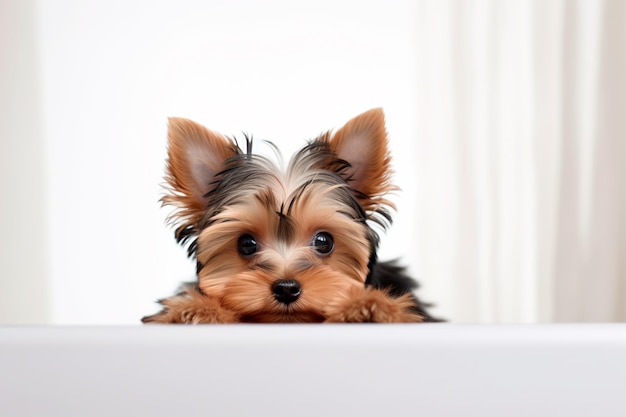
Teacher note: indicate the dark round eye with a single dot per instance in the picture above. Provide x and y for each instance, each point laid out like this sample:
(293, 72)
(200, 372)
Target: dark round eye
(246, 245)
(323, 243)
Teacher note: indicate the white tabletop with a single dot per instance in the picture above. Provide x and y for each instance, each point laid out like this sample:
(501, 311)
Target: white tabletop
(314, 370)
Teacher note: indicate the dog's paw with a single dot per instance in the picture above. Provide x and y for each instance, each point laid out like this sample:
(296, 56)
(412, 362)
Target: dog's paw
(192, 307)
(374, 306)
(207, 311)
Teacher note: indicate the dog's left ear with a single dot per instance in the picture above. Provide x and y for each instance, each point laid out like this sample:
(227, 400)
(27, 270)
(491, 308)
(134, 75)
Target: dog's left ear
(362, 142)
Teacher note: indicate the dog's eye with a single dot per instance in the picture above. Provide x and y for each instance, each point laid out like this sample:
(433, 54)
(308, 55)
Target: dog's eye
(246, 245)
(323, 243)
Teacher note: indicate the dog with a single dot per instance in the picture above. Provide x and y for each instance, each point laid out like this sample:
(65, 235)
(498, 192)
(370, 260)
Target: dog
(294, 245)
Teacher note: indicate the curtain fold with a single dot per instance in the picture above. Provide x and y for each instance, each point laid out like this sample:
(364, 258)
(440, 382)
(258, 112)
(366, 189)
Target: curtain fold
(521, 159)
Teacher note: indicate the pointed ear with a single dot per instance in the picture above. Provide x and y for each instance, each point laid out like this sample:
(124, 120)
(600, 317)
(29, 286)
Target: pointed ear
(195, 156)
(362, 142)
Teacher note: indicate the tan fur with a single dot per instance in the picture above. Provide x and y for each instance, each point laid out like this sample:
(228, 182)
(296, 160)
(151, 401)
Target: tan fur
(194, 152)
(192, 307)
(240, 285)
(357, 305)
(283, 211)
(367, 305)
(363, 142)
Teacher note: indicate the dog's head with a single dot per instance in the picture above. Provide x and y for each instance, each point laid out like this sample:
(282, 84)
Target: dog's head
(280, 245)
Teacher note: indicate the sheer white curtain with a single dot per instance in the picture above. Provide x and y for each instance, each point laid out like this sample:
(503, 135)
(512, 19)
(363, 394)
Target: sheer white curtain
(522, 159)
(24, 288)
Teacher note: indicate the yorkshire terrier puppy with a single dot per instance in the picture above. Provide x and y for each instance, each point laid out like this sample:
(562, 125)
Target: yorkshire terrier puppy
(294, 245)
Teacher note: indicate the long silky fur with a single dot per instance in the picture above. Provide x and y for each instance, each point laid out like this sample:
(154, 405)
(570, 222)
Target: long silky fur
(240, 192)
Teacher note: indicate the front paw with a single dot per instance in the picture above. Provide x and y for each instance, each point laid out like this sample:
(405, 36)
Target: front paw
(374, 306)
(192, 307)
(208, 311)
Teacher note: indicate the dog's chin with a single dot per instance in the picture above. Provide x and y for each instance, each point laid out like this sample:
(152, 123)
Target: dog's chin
(291, 316)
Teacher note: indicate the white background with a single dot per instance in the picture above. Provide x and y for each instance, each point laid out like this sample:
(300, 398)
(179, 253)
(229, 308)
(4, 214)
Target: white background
(506, 120)
(112, 72)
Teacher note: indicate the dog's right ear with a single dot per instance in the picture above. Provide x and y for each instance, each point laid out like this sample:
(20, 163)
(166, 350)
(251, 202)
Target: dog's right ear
(196, 156)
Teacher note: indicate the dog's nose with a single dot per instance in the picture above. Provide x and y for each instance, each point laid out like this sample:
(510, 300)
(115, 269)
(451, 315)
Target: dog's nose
(286, 290)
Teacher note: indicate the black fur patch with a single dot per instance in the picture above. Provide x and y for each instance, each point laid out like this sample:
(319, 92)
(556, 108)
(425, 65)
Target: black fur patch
(393, 278)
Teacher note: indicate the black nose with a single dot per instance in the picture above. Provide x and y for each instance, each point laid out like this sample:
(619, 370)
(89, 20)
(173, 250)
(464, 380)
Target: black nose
(286, 290)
